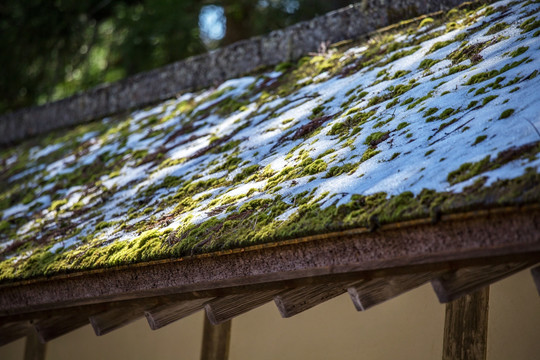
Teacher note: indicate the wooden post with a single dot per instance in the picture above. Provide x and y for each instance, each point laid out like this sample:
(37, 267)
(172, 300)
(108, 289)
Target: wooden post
(34, 348)
(465, 327)
(216, 340)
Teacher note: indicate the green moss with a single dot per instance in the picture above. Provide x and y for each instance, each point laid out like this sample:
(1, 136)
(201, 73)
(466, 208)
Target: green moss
(479, 139)
(489, 98)
(399, 73)
(402, 125)
(426, 21)
(497, 28)
(472, 104)
(369, 153)
(446, 113)
(448, 123)
(315, 167)
(392, 103)
(457, 68)
(430, 111)
(348, 168)
(469, 170)
(4, 226)
(439, 45)
(246, 172)
(481, 77)
(529, 25)
(375, 138)
(520, 50)
(506, 113)
(57, 204)
(429, 152)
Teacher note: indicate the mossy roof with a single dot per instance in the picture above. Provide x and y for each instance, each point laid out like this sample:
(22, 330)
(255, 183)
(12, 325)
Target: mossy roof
(423, 119)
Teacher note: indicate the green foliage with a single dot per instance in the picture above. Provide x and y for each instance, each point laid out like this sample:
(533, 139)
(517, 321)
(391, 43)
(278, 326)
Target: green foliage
(53, 49)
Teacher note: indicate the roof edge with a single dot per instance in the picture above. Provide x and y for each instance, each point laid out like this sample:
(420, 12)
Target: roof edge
(215, 66)
(477, 237)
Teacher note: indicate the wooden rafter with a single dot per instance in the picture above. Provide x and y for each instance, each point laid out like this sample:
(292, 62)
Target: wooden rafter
(227, 307)
(14, 330)
(56, 326)
(452, 285)
(165, 314)
(368, 293)
(295, 301)
(105, 322)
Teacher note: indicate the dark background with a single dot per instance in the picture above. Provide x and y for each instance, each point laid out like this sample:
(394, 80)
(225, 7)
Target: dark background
(51, 49)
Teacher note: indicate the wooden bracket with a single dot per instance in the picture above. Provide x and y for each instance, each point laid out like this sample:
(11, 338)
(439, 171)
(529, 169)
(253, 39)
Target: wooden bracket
(105, 322)
(294, 301)
(452, 285)
(163, 315)
(56, 326)
(227, 307)
(367, 293)
(12, 331)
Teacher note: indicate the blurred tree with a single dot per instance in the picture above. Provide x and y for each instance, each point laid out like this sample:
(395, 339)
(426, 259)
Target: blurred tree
(54, 48)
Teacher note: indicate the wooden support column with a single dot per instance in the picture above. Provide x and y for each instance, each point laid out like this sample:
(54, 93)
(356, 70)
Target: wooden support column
(34, 348)
(465, 327)
(216, 340)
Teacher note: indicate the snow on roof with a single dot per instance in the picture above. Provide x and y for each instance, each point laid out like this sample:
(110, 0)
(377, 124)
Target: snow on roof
(428, 118)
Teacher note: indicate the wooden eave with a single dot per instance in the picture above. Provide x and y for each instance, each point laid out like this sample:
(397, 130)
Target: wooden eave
(458, 253)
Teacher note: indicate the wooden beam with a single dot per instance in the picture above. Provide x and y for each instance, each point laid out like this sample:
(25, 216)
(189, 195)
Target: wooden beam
(465, 327)
(535, 272)
(294, 301)
(34, 349)
(12, 331)
(216, 340)
(368, 293)
(225, 308)
(452, 285)
(105, 322)
(163, 315)
(56, 326)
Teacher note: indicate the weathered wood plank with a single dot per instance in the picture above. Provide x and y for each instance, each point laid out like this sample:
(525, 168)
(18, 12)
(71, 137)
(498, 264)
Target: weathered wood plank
(163, 315)
(465, 327)
(12, 331)
(225, 308)
(535, 272)
(368, 293)
(295, 301)
(56, 326)
(105, 322)
(216, 340)
(34, 349)
(452, 285)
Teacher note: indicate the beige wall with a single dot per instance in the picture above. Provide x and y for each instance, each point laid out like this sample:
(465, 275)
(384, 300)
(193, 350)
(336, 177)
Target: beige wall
(409, 327)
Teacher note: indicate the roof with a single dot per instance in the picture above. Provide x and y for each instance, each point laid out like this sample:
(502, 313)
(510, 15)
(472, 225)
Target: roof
(424, 121)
